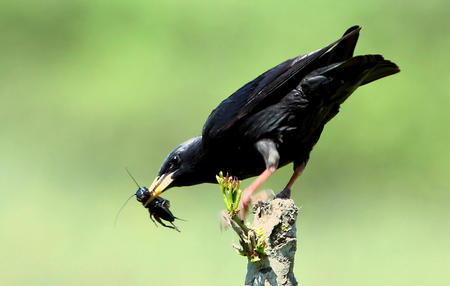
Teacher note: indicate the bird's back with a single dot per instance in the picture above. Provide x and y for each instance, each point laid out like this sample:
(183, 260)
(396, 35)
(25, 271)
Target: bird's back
(291, 103)
(271, 86)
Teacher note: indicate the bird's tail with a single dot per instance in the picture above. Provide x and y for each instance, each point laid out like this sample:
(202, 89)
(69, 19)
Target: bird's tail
(338, 81)
(365, 69)
(344, 49)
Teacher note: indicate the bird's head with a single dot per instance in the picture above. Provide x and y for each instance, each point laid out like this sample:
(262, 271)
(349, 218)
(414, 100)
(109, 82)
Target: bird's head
(182, 167)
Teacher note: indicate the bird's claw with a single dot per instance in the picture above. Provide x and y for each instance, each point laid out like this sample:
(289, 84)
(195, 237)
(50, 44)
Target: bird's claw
(262, 196)
(246, 200)
(284, 194)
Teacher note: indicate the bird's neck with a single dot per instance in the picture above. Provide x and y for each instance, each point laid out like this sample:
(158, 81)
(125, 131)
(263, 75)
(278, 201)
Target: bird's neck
(207, 161)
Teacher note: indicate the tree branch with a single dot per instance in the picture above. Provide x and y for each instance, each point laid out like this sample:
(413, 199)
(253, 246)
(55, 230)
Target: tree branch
(277, 219)
(270, 243)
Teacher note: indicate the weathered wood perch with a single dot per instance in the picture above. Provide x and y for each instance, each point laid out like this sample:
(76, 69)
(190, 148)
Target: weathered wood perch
(270, 243)
(277, 218)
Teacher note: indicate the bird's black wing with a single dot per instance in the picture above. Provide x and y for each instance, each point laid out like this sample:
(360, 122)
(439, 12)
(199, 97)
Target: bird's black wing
(272, 85)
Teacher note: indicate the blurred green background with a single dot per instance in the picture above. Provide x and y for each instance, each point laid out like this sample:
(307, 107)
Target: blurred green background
(88, 87)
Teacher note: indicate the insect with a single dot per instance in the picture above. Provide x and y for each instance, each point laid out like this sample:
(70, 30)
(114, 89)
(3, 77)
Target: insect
(158, 208)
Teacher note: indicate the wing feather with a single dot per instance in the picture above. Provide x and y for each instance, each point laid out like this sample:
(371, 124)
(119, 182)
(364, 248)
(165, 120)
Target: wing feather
(273, 85)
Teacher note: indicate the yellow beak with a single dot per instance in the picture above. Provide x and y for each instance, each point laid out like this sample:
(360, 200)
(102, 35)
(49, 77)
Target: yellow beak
(158, 186)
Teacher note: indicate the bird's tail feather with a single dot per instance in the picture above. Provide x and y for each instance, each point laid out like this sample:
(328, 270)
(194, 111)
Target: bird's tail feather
(358, 71)
(338, 81)
(365, 69)
(344, 49)
(382, 68)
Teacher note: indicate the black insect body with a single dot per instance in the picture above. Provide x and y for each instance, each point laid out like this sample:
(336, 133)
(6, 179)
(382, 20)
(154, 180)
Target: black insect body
(158, 208)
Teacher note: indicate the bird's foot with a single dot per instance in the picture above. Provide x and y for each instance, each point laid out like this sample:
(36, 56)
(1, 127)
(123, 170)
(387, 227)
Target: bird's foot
(247, 194)
(284, 194)
(244, 205)
(247, 200)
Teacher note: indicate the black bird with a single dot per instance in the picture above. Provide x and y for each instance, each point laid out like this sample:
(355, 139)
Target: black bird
(273, 120)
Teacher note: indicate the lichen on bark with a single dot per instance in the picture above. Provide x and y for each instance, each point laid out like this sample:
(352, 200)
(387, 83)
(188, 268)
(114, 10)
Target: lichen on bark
(277, 219)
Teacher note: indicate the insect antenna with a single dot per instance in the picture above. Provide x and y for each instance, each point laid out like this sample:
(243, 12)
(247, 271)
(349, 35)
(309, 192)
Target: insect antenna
(121, 208)
(132, 177)
(125, 203)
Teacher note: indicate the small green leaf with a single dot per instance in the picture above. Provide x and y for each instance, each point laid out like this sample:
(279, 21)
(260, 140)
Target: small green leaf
(238, 199)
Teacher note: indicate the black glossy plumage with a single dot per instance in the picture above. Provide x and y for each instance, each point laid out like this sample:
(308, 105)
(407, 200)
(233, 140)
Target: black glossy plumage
(287, 106)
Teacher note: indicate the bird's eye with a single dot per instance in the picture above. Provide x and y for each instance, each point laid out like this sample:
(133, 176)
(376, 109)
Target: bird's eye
(175, 161)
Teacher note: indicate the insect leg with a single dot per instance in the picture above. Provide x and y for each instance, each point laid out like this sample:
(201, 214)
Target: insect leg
(165, 225)
(151, 217)
(175, 227)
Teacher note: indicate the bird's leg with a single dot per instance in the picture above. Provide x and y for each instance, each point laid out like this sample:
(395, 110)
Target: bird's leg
(268, 150)
(286, 192)
(246, 198)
